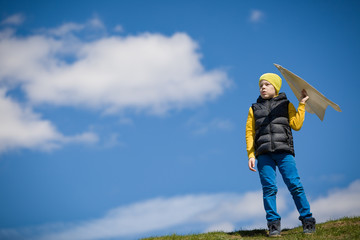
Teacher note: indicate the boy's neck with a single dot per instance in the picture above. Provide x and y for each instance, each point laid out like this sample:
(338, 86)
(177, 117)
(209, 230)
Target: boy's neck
(270, 97)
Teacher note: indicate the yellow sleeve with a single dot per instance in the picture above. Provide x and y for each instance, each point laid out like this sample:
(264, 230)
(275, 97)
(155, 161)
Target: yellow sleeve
(296, 118)
(250, 134)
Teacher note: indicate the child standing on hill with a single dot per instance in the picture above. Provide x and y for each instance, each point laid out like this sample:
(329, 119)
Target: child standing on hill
(269, 140)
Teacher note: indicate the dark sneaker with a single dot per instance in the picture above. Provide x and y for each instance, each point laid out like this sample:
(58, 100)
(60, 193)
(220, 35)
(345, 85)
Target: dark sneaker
(274, 228)
(309, 225)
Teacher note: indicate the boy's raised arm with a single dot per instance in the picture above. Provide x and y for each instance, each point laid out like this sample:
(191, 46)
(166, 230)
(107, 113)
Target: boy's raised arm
(296, 118)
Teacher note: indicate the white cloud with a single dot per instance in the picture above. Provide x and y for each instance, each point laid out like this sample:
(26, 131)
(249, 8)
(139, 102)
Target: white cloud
(20, 127)
(161, 213)
(118, 28)
(113, 141)
(202, 127)
(6, 33)
(338, 203)
(343, 202)
(256, 16)
(69, 28)
(86, 137)
(96, 22)
(216, 124)
(214, 212)
(16, 19)
(66, 29)
(149, 72)
(200, 213)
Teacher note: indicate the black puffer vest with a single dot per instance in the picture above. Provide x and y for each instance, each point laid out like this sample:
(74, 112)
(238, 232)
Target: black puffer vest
(272, 129)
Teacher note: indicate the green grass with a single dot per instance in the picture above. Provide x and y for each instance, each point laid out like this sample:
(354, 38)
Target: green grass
(345, 228)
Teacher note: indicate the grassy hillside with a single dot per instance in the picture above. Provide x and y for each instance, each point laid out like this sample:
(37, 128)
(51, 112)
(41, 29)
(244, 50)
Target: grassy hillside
(345, 228)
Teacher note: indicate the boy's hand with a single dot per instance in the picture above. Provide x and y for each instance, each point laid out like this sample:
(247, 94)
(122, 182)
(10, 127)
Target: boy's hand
(252, 164)
(304, 96)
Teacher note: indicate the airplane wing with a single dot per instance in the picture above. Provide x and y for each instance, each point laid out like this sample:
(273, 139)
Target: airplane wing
(317, 102)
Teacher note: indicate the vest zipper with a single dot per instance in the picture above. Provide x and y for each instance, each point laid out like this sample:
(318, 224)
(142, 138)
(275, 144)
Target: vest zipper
(271, 140)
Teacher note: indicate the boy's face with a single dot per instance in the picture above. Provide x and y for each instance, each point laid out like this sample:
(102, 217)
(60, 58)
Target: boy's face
(267, 90)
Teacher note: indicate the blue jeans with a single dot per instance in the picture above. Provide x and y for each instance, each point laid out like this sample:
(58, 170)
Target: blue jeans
(267, 170)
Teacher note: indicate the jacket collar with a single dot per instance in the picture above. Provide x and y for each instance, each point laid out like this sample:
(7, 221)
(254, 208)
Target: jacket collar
(281, 96)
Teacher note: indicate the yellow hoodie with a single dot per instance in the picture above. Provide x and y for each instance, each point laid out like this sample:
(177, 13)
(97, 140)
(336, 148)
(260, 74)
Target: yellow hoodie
(296, 120)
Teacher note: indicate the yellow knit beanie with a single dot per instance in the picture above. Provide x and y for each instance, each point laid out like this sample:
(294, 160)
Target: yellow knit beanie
(272, 78)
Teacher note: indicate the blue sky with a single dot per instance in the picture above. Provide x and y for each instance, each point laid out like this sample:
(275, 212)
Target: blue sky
(126, 119)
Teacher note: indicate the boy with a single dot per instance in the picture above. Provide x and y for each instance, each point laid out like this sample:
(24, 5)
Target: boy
(269, 140)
